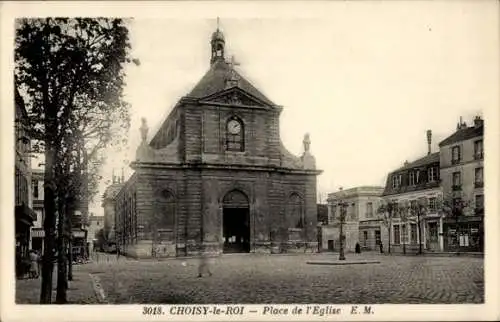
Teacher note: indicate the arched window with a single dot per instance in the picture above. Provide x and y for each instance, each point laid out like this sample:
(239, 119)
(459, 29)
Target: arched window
(235, 140)
(220, 50)
(296, 211)
(165, 210)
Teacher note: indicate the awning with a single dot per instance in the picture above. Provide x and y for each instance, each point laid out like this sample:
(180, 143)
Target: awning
(25, 214)
(37, 233)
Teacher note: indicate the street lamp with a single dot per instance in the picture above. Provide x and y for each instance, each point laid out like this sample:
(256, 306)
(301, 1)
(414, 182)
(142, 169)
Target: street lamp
(343, 210)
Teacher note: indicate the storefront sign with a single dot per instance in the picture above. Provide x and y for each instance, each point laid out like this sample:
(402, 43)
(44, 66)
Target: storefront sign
(79, 234)
(37, 233)
(474, 230)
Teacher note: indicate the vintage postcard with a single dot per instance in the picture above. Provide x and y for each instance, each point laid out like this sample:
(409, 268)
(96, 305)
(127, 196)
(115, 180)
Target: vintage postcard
(216, 161)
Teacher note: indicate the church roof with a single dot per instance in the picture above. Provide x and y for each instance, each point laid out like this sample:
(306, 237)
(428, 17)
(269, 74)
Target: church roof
(214, 81)
(112, 191)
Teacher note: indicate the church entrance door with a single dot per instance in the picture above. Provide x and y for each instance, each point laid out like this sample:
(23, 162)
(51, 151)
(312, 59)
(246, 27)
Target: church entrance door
(236, 223)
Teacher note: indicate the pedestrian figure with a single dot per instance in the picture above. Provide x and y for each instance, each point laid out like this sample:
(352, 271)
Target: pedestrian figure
(358, 248)
(33, 264)
(39, 253)
(204, 266)
(381, 248)
(117, 253)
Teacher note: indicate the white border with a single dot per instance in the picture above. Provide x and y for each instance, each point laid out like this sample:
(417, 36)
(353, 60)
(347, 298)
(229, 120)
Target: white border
(243, 9)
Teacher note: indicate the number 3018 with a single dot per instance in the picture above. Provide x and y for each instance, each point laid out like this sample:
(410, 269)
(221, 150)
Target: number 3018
(152, 310)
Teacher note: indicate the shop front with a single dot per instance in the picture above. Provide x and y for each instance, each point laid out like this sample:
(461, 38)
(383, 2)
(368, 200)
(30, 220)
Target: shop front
(466, 235)
(24, 220)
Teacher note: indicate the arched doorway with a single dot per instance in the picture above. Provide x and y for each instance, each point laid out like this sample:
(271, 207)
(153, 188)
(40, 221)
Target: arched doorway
(236, 222)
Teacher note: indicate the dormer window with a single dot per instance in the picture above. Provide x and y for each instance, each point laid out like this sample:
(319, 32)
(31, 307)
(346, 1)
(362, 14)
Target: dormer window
(235, 135)
(432, 174)
(396, 181)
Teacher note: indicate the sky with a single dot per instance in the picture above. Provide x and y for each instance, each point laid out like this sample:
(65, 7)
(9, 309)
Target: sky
(366, 80)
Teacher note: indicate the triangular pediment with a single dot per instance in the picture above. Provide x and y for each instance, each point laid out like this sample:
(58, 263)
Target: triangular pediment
(235, 96)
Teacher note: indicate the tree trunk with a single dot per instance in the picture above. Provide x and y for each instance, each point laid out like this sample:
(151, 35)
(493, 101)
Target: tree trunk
(62, 281)
(48, 225)
(70, 259)
(71, 211)
(389, 246)
(419, 234)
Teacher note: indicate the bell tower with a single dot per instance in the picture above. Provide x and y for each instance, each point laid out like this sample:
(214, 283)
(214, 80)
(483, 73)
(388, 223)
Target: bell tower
(218, 44)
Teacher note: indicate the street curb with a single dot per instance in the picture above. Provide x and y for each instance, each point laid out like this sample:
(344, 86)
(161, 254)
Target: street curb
(343, 263)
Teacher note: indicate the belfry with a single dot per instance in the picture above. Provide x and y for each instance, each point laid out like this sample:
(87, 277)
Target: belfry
(216, 177)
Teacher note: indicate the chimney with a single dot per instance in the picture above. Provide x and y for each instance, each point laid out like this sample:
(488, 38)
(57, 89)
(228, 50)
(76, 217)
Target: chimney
(113, 177)
(123, 176)
(478, 121)
(461, 124)
(429, 141)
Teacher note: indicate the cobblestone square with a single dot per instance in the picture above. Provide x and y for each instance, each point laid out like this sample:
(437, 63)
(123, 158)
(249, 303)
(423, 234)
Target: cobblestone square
(289, 279)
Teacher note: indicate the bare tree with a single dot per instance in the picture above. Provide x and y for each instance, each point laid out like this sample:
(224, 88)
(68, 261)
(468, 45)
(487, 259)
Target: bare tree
(388, 211)
(403, 210)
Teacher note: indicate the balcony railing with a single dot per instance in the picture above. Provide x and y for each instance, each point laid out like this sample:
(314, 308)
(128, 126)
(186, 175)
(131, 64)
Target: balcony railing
(478, 156)
(456, 187)
(455, 161)
(478, 184)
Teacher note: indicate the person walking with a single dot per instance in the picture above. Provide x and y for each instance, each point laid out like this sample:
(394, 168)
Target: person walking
(381, 248)
(204, 266)
(33, 264)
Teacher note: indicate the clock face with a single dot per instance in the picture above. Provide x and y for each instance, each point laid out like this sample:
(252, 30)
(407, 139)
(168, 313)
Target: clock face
(234, 127)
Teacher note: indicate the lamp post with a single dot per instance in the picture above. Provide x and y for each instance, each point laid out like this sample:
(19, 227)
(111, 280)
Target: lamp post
(343, 210)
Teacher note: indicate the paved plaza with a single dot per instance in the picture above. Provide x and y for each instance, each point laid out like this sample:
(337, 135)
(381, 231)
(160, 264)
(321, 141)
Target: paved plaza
(249, 278)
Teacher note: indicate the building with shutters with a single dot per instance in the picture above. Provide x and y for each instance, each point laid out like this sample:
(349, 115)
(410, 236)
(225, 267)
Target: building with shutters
(406, 187)
(462, 181)
(24, 215)
(216, 177)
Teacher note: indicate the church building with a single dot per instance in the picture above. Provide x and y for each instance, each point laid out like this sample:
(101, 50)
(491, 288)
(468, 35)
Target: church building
(216, 178)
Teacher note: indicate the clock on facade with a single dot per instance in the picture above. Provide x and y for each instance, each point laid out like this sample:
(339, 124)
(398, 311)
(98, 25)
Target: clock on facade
(234, 127)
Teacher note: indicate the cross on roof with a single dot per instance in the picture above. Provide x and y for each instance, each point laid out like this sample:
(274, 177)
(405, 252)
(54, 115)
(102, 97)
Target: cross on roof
(233, 62)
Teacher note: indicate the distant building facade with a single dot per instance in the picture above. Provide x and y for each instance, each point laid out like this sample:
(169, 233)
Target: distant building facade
(216, 177)
(24, 215)
(108, 204)
(361, 223)
(79, 220)
(96, 223)
(462, 180)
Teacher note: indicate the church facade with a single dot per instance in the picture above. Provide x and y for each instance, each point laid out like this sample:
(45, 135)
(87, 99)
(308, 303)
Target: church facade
(216, 178)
